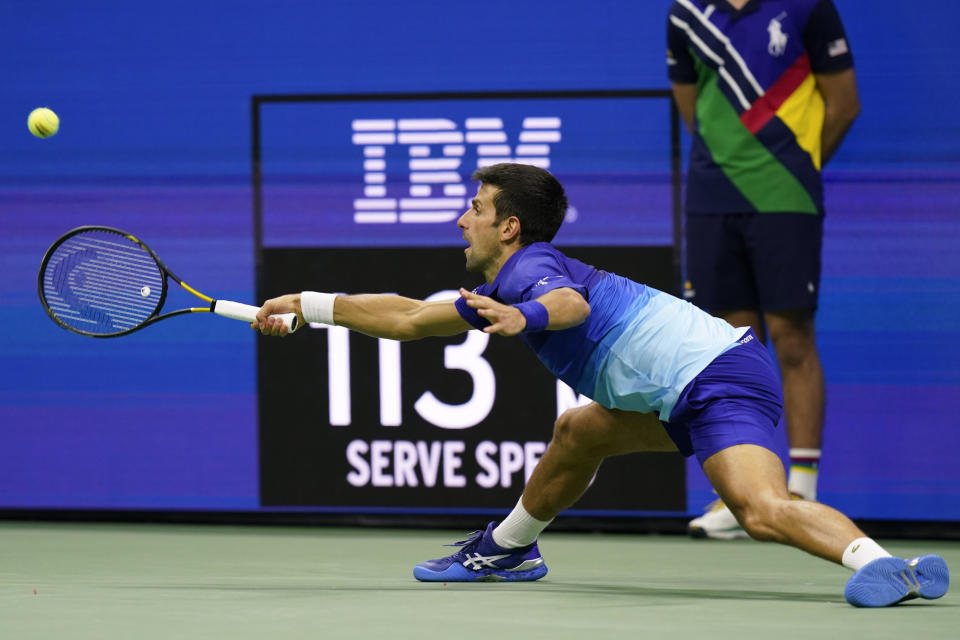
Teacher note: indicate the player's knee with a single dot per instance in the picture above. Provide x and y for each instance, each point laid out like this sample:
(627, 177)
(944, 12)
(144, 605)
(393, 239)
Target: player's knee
(759, 529)
(565, 430)
(760, 521)
(572, 431)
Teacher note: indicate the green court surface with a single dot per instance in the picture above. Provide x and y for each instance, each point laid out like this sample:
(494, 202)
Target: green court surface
(66, 581)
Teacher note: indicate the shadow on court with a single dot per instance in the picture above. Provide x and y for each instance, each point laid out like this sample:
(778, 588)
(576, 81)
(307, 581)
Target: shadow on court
(649, 596)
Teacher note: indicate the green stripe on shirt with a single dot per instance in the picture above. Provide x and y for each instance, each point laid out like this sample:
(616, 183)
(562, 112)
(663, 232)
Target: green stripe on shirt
(752, 169)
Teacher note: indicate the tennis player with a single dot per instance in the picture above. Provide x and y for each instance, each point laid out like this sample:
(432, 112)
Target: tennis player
(663, 375)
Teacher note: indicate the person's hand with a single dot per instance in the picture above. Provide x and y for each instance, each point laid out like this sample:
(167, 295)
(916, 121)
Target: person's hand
(504, 319)
(269, 326)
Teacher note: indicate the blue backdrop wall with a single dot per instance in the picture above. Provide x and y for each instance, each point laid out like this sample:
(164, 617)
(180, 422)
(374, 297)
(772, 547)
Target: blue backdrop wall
(154, 99)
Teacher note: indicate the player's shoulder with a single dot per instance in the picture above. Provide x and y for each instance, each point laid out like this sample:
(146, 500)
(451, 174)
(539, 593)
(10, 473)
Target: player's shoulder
(541, 249)
(529, 265)
(538, 255)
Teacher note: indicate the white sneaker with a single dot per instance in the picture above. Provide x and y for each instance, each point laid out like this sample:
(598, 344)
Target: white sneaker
(718, 523)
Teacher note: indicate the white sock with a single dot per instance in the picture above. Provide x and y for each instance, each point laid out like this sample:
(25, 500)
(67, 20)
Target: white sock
(862, 551)
(518, 529)
(804, 465)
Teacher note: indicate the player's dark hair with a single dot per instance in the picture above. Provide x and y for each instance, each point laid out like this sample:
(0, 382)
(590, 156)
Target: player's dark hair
(531, 194)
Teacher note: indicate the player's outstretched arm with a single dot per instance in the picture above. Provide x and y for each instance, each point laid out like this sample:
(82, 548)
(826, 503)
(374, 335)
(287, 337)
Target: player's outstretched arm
(378, 315)
(563, 308)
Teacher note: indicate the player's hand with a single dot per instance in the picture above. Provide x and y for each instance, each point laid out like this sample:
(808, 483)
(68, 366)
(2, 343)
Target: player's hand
(504, 319)
(276, 306)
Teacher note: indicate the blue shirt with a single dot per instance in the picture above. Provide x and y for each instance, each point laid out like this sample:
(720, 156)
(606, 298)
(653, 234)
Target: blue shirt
(638, 348)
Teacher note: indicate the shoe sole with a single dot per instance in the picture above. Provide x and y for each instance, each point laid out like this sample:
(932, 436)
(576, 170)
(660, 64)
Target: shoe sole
(458, 573)
(887, 581)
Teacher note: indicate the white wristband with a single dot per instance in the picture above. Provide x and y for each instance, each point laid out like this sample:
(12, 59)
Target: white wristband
(317, 307)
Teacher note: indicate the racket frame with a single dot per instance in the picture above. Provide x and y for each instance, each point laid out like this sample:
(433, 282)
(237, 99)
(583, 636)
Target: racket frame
(165, 272)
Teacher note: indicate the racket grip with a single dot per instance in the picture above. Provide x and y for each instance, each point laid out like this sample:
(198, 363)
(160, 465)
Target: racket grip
(248, 313)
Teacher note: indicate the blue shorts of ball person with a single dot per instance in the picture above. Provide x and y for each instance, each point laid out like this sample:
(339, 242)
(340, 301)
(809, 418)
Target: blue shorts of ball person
(735, 400)
(763, 261)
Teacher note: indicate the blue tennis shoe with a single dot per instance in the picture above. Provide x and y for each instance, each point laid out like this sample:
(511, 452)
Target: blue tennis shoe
(480, 559)
(887, 581)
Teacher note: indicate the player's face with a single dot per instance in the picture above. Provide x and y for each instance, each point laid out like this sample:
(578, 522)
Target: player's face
(481, 231)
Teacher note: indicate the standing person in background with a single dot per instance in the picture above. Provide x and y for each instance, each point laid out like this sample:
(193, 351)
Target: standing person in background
(767, 89)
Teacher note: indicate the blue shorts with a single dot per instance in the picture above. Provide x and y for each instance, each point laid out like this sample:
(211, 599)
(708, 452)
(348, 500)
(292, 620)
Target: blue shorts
(735, 400)
(761, 261)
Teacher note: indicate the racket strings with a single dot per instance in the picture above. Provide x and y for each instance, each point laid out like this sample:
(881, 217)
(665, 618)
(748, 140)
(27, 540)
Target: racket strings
(100, 282)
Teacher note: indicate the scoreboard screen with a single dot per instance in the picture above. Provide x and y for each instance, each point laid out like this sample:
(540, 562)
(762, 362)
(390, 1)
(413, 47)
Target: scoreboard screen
(361, 194)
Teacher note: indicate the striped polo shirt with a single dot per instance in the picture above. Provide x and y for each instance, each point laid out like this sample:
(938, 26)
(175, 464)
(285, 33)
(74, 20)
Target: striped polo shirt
(759, 114)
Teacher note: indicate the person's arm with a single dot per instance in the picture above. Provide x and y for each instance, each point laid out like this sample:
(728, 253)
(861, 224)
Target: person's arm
(565, 308)
(841, 108)
(681, 67)
(825, 41)
(685, 97)
(378, 315)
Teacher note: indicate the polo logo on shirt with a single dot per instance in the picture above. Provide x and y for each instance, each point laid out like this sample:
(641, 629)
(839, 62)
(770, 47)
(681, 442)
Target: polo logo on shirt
(778, 39)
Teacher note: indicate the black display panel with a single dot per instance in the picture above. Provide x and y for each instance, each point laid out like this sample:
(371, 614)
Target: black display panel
(453, 425)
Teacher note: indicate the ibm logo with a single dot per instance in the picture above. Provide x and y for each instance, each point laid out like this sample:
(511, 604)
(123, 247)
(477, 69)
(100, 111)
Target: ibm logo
(436, 192)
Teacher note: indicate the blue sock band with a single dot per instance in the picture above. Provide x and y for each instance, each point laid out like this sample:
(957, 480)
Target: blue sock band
(536, 314)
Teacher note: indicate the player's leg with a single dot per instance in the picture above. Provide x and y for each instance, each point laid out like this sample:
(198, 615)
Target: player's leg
(731, 415)
(582, 438)
(718, 521)
(794, 340)
(751, 481)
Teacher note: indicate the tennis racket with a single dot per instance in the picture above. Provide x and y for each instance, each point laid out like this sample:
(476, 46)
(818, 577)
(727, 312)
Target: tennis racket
(102, 282)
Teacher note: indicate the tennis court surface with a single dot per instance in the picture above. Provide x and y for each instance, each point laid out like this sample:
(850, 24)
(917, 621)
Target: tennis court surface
(109, 581)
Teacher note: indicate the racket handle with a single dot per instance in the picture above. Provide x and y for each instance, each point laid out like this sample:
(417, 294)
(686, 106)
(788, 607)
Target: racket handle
(248, 313)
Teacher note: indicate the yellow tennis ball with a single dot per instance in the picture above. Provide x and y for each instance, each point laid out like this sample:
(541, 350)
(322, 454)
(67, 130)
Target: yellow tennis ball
(43, 122)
